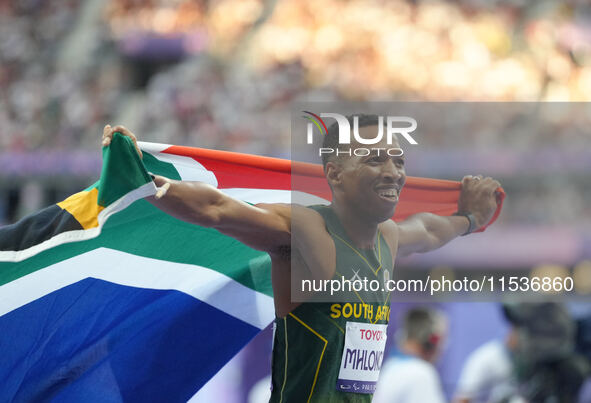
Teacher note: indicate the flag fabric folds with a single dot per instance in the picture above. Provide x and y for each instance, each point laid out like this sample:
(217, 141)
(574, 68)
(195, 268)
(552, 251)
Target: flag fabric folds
(103, 297)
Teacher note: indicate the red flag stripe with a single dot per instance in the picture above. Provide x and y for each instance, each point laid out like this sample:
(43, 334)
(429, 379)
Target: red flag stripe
(237, 170)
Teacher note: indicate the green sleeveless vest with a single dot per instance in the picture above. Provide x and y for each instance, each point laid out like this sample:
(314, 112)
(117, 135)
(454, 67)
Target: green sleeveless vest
(309, 342)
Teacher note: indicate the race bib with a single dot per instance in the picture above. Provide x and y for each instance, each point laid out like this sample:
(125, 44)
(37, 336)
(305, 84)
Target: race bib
(362, 357)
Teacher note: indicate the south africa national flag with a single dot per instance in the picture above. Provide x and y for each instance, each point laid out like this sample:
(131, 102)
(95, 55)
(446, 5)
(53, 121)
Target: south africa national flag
(105, 298)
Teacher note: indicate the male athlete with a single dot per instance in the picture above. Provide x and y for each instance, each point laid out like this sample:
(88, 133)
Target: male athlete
(330, 352)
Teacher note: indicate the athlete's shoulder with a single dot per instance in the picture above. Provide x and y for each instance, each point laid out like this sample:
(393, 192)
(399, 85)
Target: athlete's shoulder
(389, 230)
(312, 241)
(307, 217)
(288, 211)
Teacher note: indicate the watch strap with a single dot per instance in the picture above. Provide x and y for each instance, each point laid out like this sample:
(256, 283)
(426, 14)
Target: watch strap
(472, 227)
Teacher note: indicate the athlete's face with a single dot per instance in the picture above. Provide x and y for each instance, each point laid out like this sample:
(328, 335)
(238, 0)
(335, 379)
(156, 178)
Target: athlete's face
(371, 184)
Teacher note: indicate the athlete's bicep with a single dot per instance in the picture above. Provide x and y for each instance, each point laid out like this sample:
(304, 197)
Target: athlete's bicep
(414, 237)
(264, 227)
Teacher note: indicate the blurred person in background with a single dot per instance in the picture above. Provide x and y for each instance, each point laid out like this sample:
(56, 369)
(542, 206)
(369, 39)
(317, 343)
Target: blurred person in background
(261, 391)
(545, 363)
(487, 371)
(583, 344)
(536, 363)
(409, 375)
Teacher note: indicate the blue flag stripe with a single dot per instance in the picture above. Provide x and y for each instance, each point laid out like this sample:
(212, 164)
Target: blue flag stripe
(120, 343)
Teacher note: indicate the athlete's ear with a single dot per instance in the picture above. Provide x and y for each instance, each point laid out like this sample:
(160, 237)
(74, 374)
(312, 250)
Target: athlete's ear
(332, 171)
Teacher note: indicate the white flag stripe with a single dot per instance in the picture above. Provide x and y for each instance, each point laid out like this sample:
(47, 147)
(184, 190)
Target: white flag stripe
(207, 285)
(274, 196)
(189, 169)
(153, 148)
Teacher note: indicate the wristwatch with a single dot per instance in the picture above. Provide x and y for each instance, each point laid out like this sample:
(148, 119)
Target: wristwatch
(472, 227)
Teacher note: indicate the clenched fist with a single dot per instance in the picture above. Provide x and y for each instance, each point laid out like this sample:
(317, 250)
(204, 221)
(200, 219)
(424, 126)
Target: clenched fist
(479, 197)
(109, 130)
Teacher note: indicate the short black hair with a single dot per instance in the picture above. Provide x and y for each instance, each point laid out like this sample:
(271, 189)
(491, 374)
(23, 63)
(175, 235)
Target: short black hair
(423, 325)
(331, 140)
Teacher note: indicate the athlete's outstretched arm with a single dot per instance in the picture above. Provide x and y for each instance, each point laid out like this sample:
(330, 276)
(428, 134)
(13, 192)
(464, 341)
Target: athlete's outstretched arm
(263, 226)
(424, 232)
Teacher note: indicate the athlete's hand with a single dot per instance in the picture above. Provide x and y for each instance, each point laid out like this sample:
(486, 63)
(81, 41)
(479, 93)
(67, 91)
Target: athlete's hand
(479, 197)
(162, 183)
(109, 130)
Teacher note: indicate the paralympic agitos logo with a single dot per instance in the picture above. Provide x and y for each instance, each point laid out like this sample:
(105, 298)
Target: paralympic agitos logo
(394, 126)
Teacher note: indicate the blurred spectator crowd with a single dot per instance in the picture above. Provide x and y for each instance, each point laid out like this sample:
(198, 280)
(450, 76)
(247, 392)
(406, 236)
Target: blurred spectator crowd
(223, 74)
(245, 60)
(44, 103)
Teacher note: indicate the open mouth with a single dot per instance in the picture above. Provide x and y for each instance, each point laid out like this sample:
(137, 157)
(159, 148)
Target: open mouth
(390, 194)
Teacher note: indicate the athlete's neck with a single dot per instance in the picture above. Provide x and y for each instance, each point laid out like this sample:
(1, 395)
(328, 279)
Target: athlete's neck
(361, 231)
